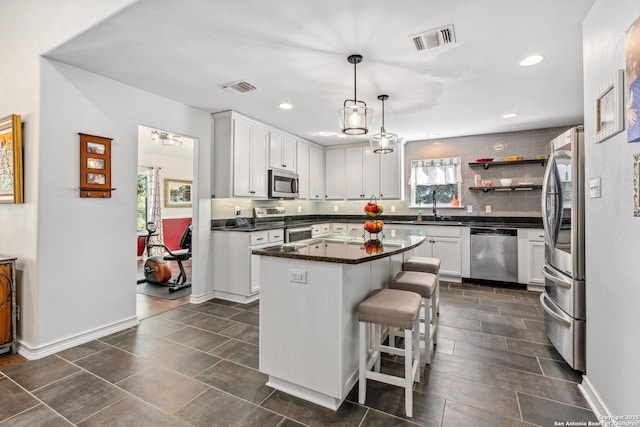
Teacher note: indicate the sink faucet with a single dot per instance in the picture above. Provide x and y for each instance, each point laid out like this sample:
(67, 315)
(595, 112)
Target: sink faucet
(436, 217)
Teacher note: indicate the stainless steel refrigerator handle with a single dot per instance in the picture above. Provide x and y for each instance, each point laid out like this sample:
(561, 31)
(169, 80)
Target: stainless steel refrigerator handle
(545, 188)
(552, 313)
(555, 278)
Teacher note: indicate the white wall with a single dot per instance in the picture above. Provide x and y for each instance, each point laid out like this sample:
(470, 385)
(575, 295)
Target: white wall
(612, 232)
(27, 29)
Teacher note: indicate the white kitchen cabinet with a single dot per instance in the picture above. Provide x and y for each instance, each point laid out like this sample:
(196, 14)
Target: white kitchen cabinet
(531, 258)
(282, 151)
(371, 174)
(302, 167)
(335, 174)
(236, 270)
(445, 243)
(339, 227)
(316, 173)
(240, 156)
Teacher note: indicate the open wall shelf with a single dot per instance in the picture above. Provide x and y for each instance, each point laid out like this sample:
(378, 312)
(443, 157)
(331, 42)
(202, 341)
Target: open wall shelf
(507, 188)
(486, 165)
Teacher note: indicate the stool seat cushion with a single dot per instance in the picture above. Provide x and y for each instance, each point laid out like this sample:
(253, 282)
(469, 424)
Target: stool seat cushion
(390, 307)
(423, 264)
(421, 283)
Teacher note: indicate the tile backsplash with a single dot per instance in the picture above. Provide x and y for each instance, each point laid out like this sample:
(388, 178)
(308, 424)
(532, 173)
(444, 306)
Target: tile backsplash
(527, 144)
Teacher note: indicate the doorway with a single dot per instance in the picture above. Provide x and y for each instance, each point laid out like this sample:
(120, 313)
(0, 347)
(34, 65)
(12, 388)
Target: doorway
(165, 182)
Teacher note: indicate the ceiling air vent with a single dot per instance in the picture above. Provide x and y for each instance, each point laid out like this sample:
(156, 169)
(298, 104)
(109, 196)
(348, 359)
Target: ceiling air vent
(238, 87)
(434, 38)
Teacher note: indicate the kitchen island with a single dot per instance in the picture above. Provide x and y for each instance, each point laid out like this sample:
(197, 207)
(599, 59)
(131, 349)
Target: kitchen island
(310, 291)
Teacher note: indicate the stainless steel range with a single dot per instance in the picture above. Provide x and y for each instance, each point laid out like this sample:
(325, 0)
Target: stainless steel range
(563, 299)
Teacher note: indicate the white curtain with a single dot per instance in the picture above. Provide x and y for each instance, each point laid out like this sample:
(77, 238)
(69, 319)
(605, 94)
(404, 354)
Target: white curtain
(154, 209)
(436, 171)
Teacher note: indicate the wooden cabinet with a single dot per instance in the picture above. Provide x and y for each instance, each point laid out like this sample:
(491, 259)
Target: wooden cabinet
(316, 173)
(240, 156)
(335, 174)
(237, 270)
(8, 309)
(282, 151)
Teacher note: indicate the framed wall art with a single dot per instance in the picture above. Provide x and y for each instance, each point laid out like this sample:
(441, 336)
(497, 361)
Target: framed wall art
(632, 56)
(95, 166)
(609, 107)
(177, 193)
(11, 177)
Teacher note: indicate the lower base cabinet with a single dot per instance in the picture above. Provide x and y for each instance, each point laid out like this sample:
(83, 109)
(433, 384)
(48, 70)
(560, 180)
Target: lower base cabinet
(531, 257)
(444, 243)
(236, 271)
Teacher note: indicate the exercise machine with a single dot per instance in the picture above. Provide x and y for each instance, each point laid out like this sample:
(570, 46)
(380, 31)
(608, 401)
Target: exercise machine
(156, 268)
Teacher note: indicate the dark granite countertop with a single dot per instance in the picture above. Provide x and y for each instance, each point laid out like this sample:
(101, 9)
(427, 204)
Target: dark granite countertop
(345, 248)
(461, 221)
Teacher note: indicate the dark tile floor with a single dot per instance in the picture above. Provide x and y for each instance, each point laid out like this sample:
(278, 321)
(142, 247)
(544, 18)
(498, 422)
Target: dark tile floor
(196, 365)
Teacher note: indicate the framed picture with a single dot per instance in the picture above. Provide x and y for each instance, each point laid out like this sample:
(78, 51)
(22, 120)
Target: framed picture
(609, 107)
(11, 190)
(95, 166)
(636, 184)
(177, 193)
(632, 55)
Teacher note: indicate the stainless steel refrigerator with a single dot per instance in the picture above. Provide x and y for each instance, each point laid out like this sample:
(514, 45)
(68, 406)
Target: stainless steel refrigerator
(563, 195)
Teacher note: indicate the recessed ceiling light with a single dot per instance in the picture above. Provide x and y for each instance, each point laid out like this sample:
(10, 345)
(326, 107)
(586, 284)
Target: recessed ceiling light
(286, 106)
(509, 115)
(531, 60)
(324, 134)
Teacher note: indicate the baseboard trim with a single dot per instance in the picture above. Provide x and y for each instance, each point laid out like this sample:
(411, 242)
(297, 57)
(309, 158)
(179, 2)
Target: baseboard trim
(236, 298)
(199, 299)
(31, 353)
(593, 399)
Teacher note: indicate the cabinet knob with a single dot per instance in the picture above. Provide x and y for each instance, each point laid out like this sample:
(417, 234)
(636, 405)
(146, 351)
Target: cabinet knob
(381, 195)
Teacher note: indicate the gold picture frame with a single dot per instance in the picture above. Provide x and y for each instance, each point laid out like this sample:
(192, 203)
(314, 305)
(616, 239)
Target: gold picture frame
(636, 184)
(610, 107)
(11, 173)
(177, 193)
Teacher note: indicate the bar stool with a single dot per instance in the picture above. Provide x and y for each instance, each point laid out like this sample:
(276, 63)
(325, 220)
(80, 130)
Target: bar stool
(393, 308)
(425, 265)
(425, 285)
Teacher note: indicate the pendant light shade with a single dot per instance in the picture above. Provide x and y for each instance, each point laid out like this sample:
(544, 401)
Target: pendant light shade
(354, 118)
(165, 138)
(383, 142)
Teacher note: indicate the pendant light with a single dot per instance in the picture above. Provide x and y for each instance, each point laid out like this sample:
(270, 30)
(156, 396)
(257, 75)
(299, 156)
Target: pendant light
(383, 142)
(165, 138)
(354, 117)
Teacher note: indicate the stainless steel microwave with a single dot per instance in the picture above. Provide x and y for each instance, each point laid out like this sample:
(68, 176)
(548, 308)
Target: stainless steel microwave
(283, 184)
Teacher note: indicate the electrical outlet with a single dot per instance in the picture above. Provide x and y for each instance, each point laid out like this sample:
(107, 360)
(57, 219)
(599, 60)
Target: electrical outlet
(297, 276)
(237, 210)
(393, 209)
(487, 209)
(299, 209)
(335, 208)
(469, 209)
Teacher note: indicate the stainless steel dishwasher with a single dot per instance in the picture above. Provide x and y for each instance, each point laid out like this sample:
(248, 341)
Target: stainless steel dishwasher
(494, 254)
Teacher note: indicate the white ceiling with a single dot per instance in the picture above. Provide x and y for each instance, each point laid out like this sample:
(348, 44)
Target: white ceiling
(296, 51)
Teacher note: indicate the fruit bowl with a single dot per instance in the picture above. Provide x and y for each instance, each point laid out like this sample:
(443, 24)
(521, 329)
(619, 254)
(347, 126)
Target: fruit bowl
(373, 209)
(373, 226)
(373, 246)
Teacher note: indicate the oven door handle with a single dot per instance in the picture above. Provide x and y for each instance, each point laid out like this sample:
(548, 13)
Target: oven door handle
(556, 278)
(298, 230)
(564, 319)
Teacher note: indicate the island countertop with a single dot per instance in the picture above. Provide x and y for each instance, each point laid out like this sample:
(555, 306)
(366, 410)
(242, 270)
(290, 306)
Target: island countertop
(346, 248)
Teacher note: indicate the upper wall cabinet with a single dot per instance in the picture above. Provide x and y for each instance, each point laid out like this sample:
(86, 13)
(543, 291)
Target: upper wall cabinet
(335, 174)
(240, 156)
(302, 166)
(367, 173)
(316, 173)
(282, 151)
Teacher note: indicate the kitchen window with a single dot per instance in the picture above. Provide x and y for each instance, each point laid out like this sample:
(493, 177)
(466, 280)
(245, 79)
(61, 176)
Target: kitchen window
(439, 178)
